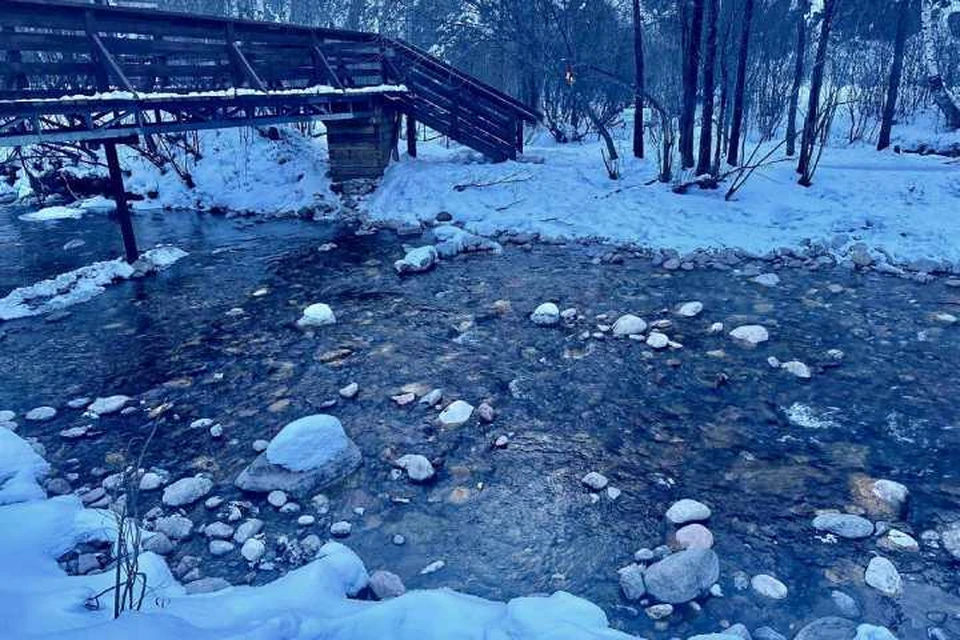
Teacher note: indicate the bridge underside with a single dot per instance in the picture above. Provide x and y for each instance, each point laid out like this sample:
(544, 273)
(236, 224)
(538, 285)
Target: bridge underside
(80, 72)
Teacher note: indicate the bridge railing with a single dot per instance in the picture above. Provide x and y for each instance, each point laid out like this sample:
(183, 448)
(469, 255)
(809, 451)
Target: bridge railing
(51, 49)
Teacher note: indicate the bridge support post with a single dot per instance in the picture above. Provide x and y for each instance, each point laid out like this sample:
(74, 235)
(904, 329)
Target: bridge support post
(362, 147)
(411, 136)
(120, 197)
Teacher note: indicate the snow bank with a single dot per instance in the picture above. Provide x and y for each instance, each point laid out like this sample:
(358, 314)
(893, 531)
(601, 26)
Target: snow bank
(20, 468)
(901, 204)
(240, 171)
(80, 285)
(37, 599)
(73, 211)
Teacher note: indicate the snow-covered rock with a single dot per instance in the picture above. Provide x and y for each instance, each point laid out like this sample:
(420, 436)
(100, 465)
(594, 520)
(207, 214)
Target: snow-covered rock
(308, 454)
(317, 315)
(546, 314)
(417, 260)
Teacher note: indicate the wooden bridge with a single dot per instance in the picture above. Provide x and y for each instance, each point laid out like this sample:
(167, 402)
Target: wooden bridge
(74, 71)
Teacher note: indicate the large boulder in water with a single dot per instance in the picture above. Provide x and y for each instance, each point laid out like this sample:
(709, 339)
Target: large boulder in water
(307, 455)
(683, 576)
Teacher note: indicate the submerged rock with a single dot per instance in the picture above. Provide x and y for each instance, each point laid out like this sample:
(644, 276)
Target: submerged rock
(683, 576)
(108, 405)
(41, 414)
(307, 455)
(768, 586)
(882, 575)
(418, 467)
(456, 413)
(750, 335)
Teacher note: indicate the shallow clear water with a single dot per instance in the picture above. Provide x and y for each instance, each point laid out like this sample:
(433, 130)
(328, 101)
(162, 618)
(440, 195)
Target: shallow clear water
(661, 426)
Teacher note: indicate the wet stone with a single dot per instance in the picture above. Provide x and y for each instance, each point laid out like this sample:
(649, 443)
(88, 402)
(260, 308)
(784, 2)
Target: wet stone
(631, 582)
(456, 414)
(186, 491)
(341, 529)
(545, 315)
(687, 510)
(694, 536)
(220, 547)
(845, 604)
(206, 585)
(247, 530)
(108, 405)
(844, 525)
(683, 576)
(386, 585)
(41, 414)
(176, 527)
(828, 628)
(595, 481)
(768, 586)
(882, 575)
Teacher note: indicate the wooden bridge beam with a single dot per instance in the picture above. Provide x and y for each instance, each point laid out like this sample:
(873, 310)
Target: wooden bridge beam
(120, 197)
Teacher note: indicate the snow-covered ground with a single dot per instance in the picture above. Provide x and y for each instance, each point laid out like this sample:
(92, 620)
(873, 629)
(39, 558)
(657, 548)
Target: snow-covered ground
(900, 206)
(37, 599)
(903, 204)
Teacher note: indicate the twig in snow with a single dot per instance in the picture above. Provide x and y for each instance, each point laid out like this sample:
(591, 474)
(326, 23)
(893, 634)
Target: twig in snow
(479, 185)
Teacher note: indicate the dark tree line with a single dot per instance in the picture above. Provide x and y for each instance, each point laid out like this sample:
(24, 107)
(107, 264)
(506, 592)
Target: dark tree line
(708, 74)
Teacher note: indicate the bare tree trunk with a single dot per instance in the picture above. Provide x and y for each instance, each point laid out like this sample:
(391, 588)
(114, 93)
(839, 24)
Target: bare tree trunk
(692, 32)
(896, 72)
(704, 161)
(948, 104)
(816, 85)
(733, 152)
(801, 54)
(640, 85)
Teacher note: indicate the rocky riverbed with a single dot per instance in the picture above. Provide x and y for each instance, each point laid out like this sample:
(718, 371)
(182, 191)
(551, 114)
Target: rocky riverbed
(529, 417)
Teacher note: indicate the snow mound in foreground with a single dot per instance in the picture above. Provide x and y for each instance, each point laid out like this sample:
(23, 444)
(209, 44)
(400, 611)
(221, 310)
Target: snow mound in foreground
(80, 285)
(38, 599)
